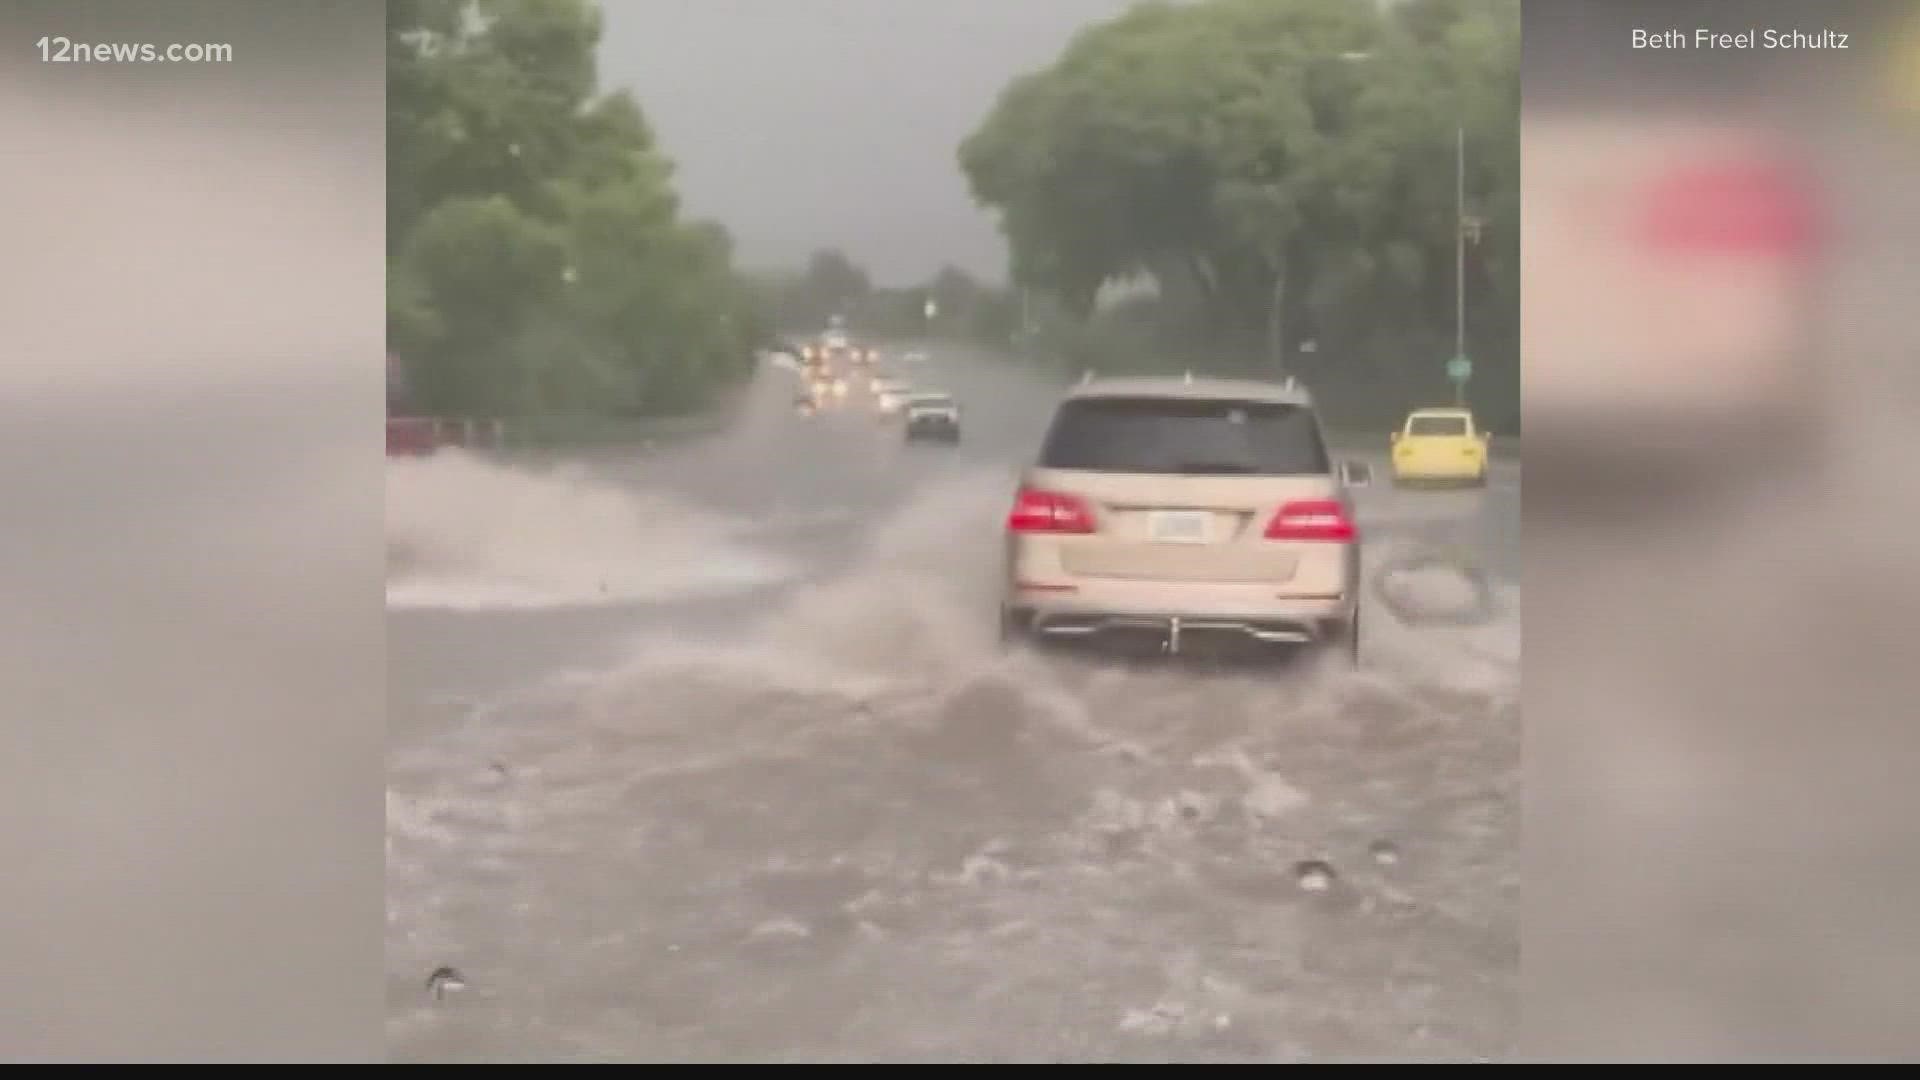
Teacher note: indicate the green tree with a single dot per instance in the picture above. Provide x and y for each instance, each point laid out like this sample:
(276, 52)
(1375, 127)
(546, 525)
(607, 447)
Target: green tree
(1284, 171)
(538, 259)
(481, 268)
(830, 284)
(954, 290)
(835, 280)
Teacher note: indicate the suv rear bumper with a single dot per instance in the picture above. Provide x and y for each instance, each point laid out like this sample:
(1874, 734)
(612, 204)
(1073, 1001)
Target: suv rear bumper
(1066, 617)
(1173, 633)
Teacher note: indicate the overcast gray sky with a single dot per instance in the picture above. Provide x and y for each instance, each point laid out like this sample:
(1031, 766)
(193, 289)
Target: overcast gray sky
(804, 124)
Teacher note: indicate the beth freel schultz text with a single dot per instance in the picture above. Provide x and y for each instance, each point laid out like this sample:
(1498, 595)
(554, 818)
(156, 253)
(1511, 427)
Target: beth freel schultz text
(1739, 39)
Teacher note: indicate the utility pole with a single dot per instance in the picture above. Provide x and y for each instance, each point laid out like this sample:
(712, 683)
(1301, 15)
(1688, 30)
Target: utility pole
(1460, 256)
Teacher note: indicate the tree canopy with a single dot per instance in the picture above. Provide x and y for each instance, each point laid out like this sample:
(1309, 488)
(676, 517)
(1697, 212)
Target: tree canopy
(832, 283)
(1284, 172)
(538, 259)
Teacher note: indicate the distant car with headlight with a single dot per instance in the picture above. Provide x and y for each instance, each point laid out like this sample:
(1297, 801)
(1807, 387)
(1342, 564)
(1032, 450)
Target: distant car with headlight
(825, 389)
(836, 345)
(932, 416)
(890, 395)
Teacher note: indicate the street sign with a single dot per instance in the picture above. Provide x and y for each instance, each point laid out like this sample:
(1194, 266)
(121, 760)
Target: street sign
(1459, 369)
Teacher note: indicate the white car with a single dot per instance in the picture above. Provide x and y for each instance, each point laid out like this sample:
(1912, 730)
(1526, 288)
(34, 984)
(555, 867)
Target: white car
(933, 416)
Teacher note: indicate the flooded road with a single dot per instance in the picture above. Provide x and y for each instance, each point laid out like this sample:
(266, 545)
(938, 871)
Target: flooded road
(710, 754)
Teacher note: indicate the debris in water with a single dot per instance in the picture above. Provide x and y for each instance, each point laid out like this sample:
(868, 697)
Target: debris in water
(1384, 852)
(1313, 875)
(445, 980)
(497, 777)
(1192, 806)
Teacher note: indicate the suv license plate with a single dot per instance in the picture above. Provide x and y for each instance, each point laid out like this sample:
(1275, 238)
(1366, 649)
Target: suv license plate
(1179, 526)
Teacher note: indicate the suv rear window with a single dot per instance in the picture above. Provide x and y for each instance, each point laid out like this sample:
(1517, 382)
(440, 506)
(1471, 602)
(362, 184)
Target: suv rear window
(1184, 436)
(1437, 425)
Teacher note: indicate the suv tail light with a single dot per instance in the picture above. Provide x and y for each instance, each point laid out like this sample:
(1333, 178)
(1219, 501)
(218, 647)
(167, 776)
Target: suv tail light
(1312, 519)
(1038, 511)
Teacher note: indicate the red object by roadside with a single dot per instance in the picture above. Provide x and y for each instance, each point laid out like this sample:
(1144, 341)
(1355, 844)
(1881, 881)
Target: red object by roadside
(411, 436)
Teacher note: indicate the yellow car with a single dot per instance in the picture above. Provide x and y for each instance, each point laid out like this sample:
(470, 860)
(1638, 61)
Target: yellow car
(1440, 445)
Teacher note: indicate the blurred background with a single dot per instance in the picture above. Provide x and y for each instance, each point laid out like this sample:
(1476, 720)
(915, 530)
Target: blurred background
(1719, 388)
(190, 642)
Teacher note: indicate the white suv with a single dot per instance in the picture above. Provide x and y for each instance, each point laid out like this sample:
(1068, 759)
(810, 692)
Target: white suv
(1180, 507)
